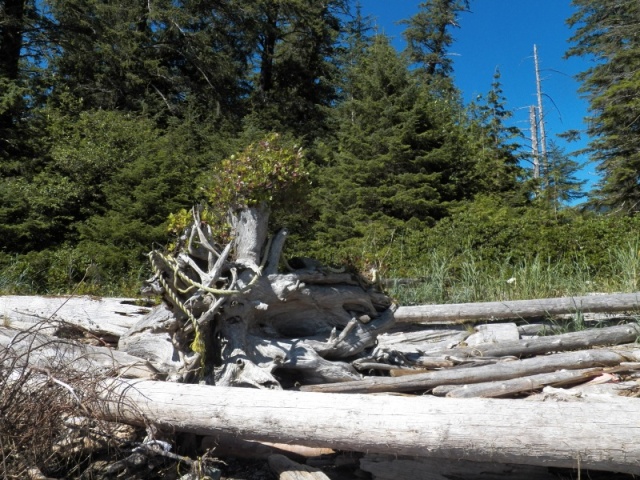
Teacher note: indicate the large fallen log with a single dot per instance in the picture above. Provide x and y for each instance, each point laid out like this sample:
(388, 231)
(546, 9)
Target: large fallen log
(470, 312)
(99, 316)
(559, 434)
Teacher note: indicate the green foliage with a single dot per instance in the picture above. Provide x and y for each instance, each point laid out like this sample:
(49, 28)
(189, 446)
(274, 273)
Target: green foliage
(561, 184)
(403, 158)
(262, 170)
(293, 44)
(111, 113)
(64, 270)
(496, 169)
(270, 171)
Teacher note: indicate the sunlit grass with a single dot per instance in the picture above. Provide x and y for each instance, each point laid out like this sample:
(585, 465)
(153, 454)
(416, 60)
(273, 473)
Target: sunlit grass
(470, 278)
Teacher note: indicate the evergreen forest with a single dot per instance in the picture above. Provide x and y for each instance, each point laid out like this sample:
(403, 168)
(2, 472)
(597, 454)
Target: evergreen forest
(113, 114)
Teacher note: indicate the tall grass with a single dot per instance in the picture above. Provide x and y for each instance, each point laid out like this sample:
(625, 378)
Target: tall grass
(468, 277)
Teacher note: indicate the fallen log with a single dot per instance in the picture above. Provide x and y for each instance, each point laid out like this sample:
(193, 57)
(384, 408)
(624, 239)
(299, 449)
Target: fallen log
(99, 316)
(462, 429)
(472, 312)
(554, 343)
(487, 373)
(32, 349)
(529, 384)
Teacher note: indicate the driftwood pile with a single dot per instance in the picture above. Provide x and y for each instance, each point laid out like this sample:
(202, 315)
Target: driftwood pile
(585, 417)
(522, 396)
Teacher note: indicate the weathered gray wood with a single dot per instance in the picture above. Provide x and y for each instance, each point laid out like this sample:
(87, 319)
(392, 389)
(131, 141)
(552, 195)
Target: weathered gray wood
(46, 352)
(427, 341)
(554, 343)
(594, 435)
(99, 316)
(289, 470)
(493, 333)
(390, 467)
(225, 445)
(468, 312)
(153, 338)
(461, 376)
(529, 384)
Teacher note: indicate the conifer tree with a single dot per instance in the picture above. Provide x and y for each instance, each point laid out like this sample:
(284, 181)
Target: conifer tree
(608, 32)
(562, 185)
(153, 57)
(401, 157)
(429, 36)
(294, 51)
(496, 169)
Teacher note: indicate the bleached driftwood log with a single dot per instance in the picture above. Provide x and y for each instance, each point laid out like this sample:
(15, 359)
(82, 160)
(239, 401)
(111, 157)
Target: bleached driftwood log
(470, 312)
(461, 429)
(528, 384)
(110, 317)
(443, 348)
(617, 335)
(33, 349)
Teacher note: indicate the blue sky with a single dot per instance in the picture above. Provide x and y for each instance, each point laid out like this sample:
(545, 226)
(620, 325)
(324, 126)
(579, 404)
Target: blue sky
(501, 33)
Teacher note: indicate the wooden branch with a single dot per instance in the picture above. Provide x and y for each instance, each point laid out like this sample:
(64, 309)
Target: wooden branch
(276, 251)
(488, 373)
(465, 429)
(470, 312)
(355, 337)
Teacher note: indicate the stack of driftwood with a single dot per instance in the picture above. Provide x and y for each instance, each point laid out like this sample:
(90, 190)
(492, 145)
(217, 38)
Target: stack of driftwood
(566, 399)
(325, 360)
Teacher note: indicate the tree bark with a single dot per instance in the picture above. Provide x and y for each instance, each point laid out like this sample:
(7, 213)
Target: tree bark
(504, 431)
(487, 311)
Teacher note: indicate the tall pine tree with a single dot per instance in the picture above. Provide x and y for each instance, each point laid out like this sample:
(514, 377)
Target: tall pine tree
(294, 54)
(608, 33)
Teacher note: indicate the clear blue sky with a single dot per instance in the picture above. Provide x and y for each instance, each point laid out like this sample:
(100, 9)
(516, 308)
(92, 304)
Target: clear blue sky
(501, 33)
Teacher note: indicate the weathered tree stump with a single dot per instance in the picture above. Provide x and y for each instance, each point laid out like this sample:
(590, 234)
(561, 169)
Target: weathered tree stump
(235, 319)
